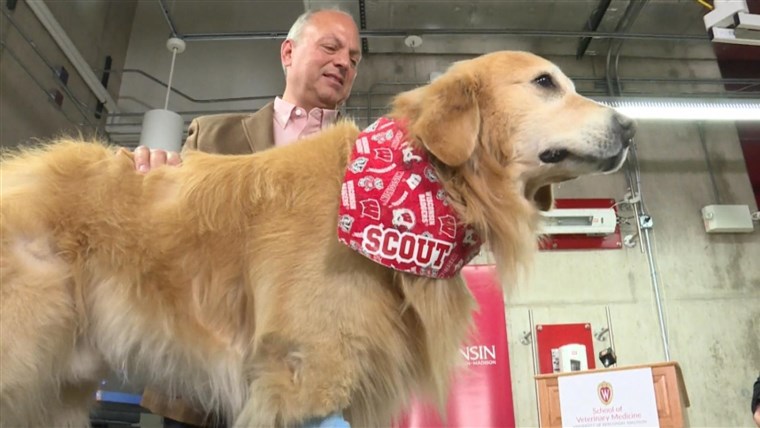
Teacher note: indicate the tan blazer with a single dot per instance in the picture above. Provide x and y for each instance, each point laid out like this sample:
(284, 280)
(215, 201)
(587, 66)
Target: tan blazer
(233, 133)
(230, 134)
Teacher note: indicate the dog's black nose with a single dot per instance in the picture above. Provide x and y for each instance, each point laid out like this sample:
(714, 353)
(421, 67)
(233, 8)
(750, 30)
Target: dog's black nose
(625, 127)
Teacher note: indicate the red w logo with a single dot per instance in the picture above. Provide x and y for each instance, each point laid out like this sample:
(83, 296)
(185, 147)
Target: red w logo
(605, 392)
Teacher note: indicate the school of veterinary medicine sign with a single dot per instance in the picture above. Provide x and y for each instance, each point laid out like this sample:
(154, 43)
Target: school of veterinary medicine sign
(619, 398)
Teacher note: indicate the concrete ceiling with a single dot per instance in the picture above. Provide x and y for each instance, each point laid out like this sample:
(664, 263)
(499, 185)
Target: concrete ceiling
(672, 28)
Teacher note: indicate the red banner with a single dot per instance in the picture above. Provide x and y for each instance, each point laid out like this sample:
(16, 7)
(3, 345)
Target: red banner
(481, 395)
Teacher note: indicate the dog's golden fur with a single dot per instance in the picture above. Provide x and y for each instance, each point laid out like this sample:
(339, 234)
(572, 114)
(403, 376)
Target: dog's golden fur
(223, 279)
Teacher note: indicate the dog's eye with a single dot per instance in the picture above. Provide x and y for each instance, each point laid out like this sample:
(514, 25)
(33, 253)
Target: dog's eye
(545, 81)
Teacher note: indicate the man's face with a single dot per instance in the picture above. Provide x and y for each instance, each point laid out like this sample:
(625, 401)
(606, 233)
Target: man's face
(321, 65)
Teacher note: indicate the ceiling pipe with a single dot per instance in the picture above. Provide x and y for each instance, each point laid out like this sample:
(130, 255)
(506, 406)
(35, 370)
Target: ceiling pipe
(189, 97)
(47, 19)
(270, 35)
(623, 26)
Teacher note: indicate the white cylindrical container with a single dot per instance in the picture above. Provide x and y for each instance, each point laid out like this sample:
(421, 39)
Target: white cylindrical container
(162, 129)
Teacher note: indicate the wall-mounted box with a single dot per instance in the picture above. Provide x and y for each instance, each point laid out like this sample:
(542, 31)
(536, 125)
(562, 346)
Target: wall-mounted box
(727, 219)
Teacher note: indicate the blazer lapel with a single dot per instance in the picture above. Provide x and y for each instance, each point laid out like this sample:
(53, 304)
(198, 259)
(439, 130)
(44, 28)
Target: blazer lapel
(259, 128)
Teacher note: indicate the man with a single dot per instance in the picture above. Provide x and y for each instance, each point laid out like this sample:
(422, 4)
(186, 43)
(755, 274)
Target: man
(320, 58)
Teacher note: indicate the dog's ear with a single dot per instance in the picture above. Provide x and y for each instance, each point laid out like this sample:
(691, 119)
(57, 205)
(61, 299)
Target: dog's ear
(544, 198)
(445, 116)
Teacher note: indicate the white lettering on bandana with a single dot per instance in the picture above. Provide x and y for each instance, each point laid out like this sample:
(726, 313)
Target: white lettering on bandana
(394, 210)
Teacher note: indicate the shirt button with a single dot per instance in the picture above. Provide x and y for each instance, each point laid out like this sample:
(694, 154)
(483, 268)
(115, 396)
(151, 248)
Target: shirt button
(299, 112)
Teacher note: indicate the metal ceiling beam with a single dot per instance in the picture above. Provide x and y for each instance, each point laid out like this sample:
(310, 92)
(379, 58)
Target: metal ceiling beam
(591, 25)
(167, 16)
(67, 46)
(270, 35)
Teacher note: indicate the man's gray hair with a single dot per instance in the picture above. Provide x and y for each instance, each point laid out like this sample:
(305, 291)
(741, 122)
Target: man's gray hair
(297, 28)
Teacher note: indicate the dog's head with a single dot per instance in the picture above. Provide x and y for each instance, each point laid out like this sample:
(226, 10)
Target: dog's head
(521, 111)
(501, 128)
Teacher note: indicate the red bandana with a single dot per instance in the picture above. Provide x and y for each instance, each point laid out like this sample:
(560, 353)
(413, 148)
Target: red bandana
(394, 211)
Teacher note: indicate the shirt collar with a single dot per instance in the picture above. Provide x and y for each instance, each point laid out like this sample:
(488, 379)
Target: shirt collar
(285, 111)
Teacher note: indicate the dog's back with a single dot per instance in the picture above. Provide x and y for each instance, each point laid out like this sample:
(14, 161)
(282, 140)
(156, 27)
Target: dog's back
(102, 267)
(173, 276)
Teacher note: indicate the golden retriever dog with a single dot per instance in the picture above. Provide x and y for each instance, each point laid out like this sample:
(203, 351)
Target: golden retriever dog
(222, 280)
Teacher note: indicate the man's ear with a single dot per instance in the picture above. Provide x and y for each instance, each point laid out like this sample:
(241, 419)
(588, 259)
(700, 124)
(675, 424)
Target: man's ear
(286, 52)
(446, 117)
(544, 198)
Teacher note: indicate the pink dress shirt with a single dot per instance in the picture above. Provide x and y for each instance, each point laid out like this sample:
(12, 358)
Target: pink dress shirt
(292, 122)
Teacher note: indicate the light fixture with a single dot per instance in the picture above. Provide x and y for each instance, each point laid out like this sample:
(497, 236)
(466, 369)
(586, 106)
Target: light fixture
(685, 109)
(163, 128)
(731, 22)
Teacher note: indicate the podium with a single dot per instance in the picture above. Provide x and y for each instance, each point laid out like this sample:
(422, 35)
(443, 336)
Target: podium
(670, 394)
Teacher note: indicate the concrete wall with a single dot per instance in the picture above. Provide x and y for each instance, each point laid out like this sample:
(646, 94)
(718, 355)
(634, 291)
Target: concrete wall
(97, 29)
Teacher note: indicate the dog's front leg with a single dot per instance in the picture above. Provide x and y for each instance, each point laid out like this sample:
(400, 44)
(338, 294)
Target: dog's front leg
(295, 383)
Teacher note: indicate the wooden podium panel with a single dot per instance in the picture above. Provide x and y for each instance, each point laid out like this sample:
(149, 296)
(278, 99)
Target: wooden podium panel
(669, 389)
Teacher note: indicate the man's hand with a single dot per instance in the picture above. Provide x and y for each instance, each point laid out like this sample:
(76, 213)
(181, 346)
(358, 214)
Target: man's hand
(146, 159)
